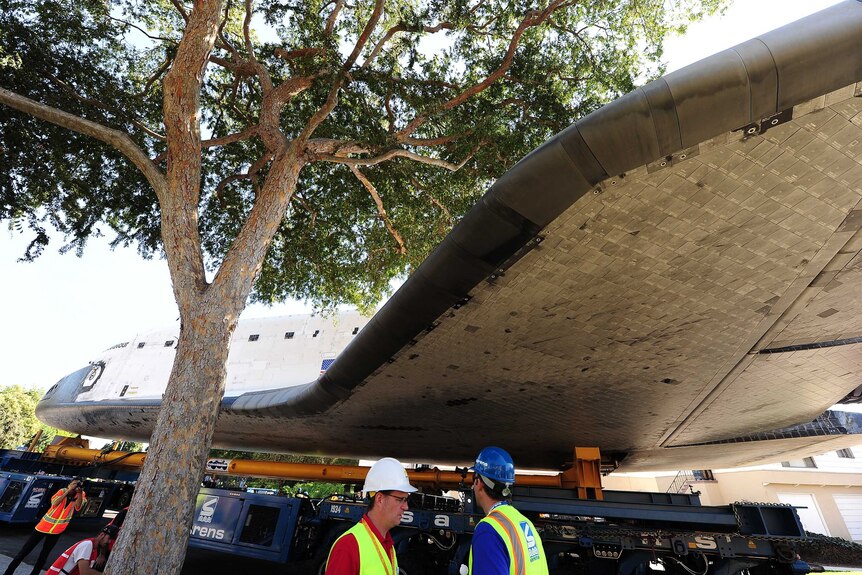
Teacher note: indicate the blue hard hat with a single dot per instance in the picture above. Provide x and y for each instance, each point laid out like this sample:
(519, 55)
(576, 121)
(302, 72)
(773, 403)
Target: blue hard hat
(495, 464)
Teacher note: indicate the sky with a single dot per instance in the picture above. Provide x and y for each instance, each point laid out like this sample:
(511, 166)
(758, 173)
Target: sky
(61, 310)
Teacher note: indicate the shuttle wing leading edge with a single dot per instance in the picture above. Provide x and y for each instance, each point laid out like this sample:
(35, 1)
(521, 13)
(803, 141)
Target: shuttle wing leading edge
(676, 270)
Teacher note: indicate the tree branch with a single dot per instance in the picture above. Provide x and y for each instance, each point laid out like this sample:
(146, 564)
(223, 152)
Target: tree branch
(230, 138)
(248, 175)
(423, 142)
(402, 28)
(364, 36)
(381, 211)
(245, 258)
(330, 21)
(223, 62)
(223, 141)
(418, 185)
(533, 18)
(223, 41)
(181, 9)
(397, 153)
(305, 205)
(332, 98)
(119, 140)
(578, 35)
(97, 104)
(273, 101)
(288, 55)
(249, 65)
(155, 76)
(142, 31)
(245, 30)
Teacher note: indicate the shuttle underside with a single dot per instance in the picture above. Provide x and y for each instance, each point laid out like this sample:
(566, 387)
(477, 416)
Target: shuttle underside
(674, 278)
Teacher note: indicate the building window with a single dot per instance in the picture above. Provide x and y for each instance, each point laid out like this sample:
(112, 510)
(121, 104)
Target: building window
(254, 337)
(169, 343)
(141, 344)
(288, 335)
(845, 454)
(800, 463)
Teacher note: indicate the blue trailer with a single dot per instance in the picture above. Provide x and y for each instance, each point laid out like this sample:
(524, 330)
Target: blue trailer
(622, 533)
(257, 525)
(25, 497)
(615, 533)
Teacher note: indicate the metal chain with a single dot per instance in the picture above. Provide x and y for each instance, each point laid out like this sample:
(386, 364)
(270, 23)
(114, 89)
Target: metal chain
(616, 531)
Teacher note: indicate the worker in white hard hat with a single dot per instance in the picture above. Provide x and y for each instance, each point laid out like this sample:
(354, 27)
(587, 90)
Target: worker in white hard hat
(367, 547)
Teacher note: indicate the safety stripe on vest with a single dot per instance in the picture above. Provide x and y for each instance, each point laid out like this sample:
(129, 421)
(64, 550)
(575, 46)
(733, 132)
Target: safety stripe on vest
(65, 557)
(58, 517)
(520, 566)
(390, 568)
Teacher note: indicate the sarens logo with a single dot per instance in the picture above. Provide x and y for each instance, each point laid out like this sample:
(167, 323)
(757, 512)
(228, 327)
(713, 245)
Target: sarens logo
(218, 464)
(208, 510)
(530, 538)
(35, 499)
(207, 532)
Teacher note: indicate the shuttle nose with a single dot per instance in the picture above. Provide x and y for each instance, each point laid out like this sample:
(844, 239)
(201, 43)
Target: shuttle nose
(63, 393)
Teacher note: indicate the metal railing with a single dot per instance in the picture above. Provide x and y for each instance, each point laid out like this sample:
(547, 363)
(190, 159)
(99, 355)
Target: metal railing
(684, 480)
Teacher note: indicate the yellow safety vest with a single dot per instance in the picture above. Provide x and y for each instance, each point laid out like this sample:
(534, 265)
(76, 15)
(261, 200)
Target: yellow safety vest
(526, 554)
(373, 559)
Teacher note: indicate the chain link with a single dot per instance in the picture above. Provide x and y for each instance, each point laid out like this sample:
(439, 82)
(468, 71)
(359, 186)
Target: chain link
(616, 531)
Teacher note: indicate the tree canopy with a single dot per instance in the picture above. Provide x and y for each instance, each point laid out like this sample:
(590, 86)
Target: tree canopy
(437, 100)
(18, 423)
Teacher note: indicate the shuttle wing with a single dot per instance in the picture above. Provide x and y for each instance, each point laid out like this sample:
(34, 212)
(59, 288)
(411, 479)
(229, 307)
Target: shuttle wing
(676, 271)
(674, 278)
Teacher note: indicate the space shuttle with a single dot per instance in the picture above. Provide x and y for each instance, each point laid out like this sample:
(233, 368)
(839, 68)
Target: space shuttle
(674, 278)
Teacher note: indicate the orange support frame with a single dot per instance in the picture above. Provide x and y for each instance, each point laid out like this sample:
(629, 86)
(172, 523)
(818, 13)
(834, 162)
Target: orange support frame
(583, 475)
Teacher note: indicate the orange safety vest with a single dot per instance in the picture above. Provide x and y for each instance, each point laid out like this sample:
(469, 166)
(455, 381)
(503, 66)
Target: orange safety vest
(57, 567)
(58, 517)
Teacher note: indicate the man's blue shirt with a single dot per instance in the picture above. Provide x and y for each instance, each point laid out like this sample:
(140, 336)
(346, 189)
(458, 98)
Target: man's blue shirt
(490, 556)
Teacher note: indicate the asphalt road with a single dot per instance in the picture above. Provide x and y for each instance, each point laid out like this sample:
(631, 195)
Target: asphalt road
(198, 561)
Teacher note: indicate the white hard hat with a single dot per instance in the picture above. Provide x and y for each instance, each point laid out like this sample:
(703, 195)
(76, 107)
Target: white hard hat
(387, 475)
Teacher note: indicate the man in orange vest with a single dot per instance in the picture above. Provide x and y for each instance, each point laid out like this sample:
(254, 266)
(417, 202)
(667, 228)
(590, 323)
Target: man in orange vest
(84, 557)
(63, 505)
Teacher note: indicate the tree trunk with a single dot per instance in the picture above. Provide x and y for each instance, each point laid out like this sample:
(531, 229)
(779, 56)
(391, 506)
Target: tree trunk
(156, 531)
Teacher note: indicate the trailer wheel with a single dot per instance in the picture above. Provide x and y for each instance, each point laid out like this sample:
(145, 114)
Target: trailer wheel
(412, 568)
(125, 499)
